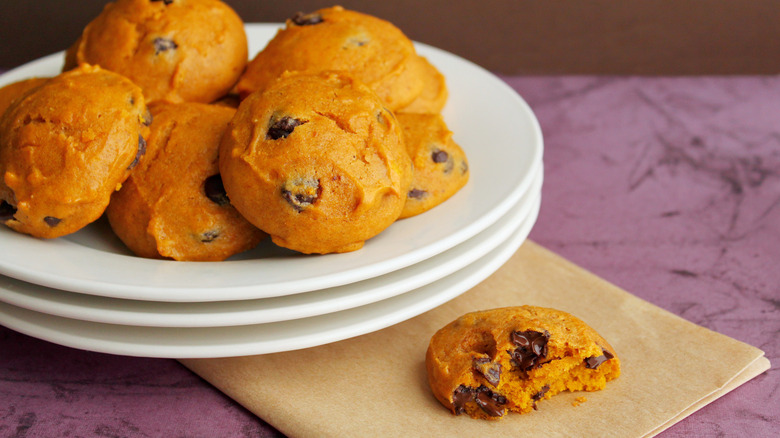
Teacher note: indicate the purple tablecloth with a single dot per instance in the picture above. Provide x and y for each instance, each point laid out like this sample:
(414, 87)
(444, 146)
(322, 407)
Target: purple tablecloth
(667, 187)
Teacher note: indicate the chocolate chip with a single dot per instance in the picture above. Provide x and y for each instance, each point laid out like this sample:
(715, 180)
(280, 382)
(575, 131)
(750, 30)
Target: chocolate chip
(531, 347)
(301, 193)
(355, 42)
(209, 236)
(163, 45)
(417, 194)
(439, 156)
(490, 370)
(167, 2)
(464, 167)
(448, 166)
(302, 19)
(460, 397)
(146, 118)
(215, 190)
(593, 362)
(490, 402)
(140, 153)
(131, 100)
(7, 211)
(283, 127)
(539, 395)
(52, 221)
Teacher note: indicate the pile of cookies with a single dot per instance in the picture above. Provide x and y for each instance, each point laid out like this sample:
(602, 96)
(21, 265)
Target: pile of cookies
(323, 140)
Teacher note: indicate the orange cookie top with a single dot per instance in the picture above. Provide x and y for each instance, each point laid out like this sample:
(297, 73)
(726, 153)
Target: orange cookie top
(485, 363)
(66, 146)
(174, 205)
(317, 162)
(370, 49)
(175, 50)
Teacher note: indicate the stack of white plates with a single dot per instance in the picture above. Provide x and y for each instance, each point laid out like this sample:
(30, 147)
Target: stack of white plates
(87, 291)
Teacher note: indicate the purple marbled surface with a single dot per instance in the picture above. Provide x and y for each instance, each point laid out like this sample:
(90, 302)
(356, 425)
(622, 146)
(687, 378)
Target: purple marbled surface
(667, 187)
(670, 188)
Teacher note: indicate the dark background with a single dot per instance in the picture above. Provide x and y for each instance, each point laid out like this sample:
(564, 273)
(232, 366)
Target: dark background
(505, 36)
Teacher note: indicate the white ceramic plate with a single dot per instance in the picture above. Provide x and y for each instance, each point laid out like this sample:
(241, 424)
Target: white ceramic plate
(495, 127)
(244, 312)
(201, 342)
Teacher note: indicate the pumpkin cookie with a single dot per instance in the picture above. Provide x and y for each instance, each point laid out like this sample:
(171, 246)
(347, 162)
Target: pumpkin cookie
(13, 91)
(434, 93)
(508, 359)
(317, 162)
(175, 50)
(440, 166)
(65, 147)
(174, 204)
(370, 49)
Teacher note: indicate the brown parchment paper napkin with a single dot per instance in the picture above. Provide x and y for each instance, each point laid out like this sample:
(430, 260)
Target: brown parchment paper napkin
(376, 385)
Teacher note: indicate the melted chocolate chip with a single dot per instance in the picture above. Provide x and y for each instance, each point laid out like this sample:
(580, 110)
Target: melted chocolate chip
(464, 167)
(593, 362)
(167, 2)
(209, 236)
(140, 153)
(531, 347)
(52, 221)
(302, 19)
(301, 193)
(416, 194)
(215, 190)
(490, 370)
(490, 402)
(439, 156)
(283, 127)
(7, 211)
(460, 397)
(163, 45)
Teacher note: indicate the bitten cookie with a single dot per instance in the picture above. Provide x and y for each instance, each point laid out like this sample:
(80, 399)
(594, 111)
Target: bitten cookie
(317, 162)
(65, 147)
(175, 50)
(508, 359)
(13, 91)
(370, 49)
(174, 204)
(440, 165)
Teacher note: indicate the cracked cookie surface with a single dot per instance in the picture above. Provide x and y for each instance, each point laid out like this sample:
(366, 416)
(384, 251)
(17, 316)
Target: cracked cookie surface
(67, 144)
(174, 204)
(487, 363)
(317, 162)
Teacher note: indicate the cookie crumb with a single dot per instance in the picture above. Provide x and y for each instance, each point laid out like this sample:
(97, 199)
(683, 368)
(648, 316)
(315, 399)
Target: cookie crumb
(579, 400)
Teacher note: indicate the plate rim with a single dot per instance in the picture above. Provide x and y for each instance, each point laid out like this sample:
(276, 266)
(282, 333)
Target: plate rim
(114, 311)
(62, 335)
